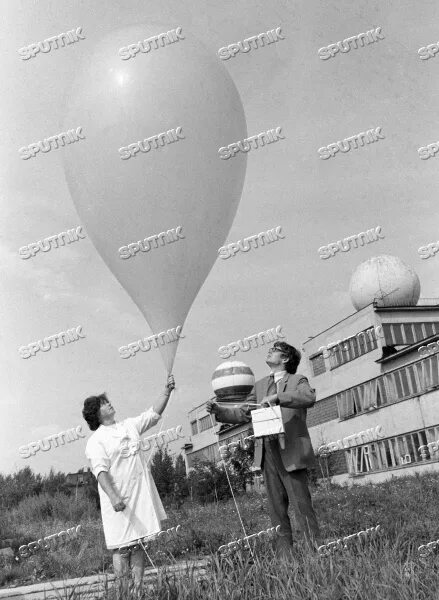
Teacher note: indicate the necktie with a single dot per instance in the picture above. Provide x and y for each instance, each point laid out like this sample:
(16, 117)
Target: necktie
(272, 387)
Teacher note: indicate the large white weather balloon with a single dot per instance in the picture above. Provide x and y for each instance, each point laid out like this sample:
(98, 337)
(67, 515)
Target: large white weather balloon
(386, 279)
(174, 180)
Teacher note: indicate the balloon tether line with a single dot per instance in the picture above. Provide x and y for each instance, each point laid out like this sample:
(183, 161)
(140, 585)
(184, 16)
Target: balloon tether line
(149, 558)
(233, 495)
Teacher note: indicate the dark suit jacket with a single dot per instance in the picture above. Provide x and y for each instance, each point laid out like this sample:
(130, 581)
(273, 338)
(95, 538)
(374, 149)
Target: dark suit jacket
(295, 396)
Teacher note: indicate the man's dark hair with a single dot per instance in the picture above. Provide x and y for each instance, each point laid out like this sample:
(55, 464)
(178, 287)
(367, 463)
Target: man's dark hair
(90, 412)
(291, 353)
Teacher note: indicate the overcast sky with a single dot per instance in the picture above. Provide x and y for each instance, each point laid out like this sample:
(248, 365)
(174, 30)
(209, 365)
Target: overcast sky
(316, 102)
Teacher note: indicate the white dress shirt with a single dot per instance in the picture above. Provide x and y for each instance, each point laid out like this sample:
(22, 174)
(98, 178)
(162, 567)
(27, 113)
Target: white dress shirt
(278, 376)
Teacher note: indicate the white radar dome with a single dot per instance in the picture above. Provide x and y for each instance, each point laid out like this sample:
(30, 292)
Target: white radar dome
(387, 280)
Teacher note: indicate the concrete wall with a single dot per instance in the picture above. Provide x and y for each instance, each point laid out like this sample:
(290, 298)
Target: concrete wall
(351, 373)
(205, 438)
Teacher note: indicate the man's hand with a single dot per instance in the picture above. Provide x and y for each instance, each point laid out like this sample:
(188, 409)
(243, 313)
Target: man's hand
(269, 400)
(118, 504)
(170, 384)
(211, 406)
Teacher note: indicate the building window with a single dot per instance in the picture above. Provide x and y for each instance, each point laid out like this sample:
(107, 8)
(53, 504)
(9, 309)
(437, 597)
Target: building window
(404, 334)
(353, 347)
(205, 423)
(419, 331)
(194, 427)
(208, 453)
(391, 452)
(411, 380)
(317, 364)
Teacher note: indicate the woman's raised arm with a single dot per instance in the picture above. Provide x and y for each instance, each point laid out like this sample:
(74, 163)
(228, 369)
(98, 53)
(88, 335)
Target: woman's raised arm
(160, 405)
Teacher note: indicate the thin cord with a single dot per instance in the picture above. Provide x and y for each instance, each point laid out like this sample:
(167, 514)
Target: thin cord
(225, 467)
(161, 425)
(231, 489)
(149, 558)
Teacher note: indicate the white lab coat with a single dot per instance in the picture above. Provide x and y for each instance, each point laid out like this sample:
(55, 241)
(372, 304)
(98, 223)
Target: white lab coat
(117, 450)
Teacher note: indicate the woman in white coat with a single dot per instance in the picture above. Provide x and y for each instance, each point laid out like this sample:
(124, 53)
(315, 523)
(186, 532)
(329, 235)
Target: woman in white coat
(130, 504)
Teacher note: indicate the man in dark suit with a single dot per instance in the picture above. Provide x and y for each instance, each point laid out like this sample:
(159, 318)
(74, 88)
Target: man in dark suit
(285, 469)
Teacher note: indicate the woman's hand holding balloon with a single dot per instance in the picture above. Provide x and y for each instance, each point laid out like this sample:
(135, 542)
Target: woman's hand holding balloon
(160, 406)
(170, 384)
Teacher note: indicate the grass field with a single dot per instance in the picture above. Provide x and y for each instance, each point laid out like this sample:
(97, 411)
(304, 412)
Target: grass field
(388, 567)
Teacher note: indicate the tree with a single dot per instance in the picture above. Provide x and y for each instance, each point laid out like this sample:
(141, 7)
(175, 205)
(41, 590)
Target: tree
(21, 484)
(181, 490)
(238, 463)
(162, 469)
(208, 481)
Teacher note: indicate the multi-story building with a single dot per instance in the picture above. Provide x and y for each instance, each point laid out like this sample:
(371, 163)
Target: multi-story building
(207, 436)
(377, 395)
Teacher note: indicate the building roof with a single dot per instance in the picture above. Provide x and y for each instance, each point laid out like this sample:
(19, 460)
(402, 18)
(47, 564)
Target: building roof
(73, 478)
(423, 304)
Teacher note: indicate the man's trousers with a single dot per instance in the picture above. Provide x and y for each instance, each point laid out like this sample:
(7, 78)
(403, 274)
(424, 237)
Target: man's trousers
(288, 487)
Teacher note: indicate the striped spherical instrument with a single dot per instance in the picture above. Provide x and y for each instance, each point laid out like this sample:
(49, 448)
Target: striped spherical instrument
(232, 380)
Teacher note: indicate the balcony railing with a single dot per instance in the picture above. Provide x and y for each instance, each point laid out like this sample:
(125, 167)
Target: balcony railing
(381, 303)
(410, 380)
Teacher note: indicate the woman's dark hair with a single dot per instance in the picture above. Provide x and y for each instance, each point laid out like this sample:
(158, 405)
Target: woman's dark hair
(291, 353)
(90, 412)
